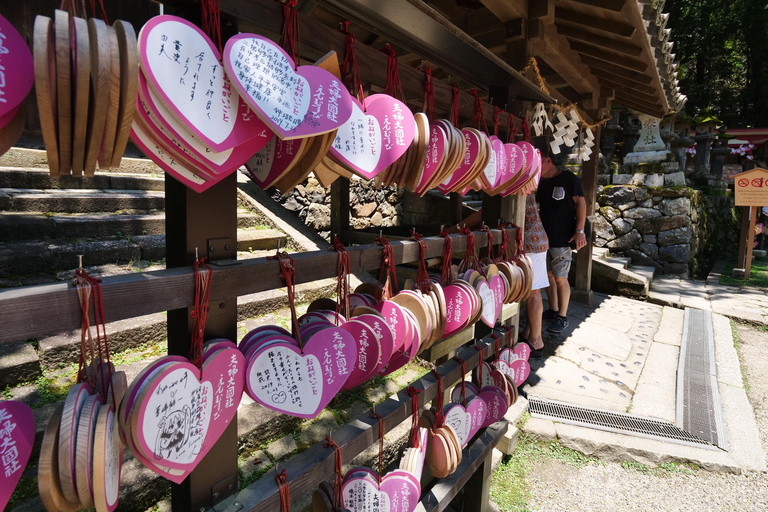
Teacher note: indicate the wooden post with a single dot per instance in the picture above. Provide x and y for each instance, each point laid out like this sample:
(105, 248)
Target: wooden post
(750, 242)
(583, 286)
(743, 237)
(477, 491)
(206, 222)
(340, 208)
(457, 207)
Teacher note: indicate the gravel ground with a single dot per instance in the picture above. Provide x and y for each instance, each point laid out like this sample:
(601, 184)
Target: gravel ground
(557, 486)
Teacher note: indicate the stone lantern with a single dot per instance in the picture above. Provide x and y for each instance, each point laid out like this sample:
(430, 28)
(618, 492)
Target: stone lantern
(705, 134)
(682, 128)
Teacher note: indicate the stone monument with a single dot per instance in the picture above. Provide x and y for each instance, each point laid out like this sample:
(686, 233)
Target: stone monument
(650, 147)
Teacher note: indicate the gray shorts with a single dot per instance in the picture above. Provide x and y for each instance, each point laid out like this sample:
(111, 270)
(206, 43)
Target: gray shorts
(559, 261)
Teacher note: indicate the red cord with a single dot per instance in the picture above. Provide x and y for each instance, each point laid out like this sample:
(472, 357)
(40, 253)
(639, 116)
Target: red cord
(387, 275)
(440, 415)
(480, 367)
(337, 480)
(455, 106)
(479, 114)
(463, 383)
(288, 274)
(511, 130)
(375, 415)
(210, 15)
(290, 40)
(423, 282)
(394, 88)
(349, 69)
(429, 95)
(342, 283)
(411, 391)
(447, 275)
(470, 260)
(487, 231)
(496, 119)
(285, 496)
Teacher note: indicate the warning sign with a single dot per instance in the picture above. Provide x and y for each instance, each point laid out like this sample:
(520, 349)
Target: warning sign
(751, 188)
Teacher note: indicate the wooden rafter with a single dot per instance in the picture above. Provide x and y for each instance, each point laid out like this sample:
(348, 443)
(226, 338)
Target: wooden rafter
(598, 66)
(606, 54)
(583, 36)
(619, 83)
(634, 103)
(507, 10)
(610, 5)
(563, 14)
(556, 52)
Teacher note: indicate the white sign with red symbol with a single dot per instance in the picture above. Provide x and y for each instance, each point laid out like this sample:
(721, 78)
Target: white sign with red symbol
(751, 188)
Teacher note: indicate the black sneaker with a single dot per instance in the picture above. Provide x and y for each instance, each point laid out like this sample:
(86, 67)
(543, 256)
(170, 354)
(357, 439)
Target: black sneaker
(549, 315)
(558, 325)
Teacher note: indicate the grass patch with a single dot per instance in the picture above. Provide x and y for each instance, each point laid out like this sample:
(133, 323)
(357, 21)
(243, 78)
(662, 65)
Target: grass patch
(509, 487)
(25, 490)
(758, 277)
(742, 365)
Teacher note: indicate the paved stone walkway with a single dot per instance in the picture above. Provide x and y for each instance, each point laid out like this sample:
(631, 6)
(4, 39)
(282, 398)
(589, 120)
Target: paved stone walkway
(619, 355)
(744, 304)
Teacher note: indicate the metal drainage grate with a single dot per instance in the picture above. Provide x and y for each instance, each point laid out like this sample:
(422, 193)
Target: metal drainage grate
(699, 410)
(611, 421)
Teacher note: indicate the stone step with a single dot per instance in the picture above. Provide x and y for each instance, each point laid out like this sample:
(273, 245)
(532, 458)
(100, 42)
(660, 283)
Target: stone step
(260, 239)
(35, 257)
(79, 200)
(619, 261)
(38, 159)
(612, 277)
(647, 272)
(600, 253)
(20, 226)
(30, 178)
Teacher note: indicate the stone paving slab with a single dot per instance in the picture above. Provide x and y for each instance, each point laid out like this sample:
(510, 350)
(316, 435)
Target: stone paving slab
(671, 328)
(656, 388)
(743, 304)
(597, 361)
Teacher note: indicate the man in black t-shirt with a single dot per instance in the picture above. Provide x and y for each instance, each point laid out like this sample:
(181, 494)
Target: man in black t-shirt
(563, 212)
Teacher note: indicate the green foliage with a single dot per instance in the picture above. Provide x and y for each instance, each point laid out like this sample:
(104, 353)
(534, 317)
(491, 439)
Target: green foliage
(723, 55)
(758, 276)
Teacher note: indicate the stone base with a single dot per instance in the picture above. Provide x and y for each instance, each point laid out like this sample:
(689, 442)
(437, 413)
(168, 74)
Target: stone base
(647, 157)
(759, 254)
(583, 296)
(738, 273)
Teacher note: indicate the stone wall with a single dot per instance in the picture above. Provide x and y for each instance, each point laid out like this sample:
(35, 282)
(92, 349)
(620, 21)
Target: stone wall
(675, 229)
(369, 207)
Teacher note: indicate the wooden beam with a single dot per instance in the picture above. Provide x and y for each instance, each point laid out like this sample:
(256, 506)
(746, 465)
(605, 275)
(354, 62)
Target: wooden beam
(650, 99)
(606, 99)
(609, 5)
(507, 10)
(622, 80)
(318, 37)
(607, 55)
(628, 102)
(543, 10)
(556, 52)
(132, 295)
(563, 14)
(626, 84)
(599, 64)
(583, 36)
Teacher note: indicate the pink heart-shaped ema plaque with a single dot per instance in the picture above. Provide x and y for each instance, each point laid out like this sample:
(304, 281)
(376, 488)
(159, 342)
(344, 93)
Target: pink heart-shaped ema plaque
(496, 401)
(384, 338)
(295, 103)
(401, 490)
(17, 433)
(286, 380)
(496, 283)
(478, 410)
(358, 143)
(183, 67)
(489, 314)
(273, 160)
(180, 417)
(457, 417)
(362, 494)
(168, 161)
(472, 143)
(458, 308)
(219, 162)
(17, 71)
(368, 352)
(397, 127)
(521, 369)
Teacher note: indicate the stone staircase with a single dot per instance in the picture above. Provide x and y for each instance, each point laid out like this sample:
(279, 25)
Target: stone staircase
(617, 275)
(117, 222)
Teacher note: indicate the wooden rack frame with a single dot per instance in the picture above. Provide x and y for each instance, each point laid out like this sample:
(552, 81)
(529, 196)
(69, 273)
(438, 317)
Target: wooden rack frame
(306, 470)
(133, 295)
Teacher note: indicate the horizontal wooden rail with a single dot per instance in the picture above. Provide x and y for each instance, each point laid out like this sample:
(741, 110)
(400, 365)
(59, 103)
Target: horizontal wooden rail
(306, 470)
(36, 311)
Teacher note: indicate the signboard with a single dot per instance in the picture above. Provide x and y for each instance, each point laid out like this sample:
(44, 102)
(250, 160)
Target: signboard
(751, 188)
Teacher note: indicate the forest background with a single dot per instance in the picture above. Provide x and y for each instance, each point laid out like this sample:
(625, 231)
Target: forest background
(722, 46)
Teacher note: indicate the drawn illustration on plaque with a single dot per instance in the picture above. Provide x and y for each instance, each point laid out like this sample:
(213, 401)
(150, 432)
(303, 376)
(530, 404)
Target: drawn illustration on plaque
(279, 398)
(173, 433)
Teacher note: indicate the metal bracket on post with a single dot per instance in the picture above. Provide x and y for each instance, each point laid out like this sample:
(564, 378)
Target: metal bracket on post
(222, 252)
(224, 488)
